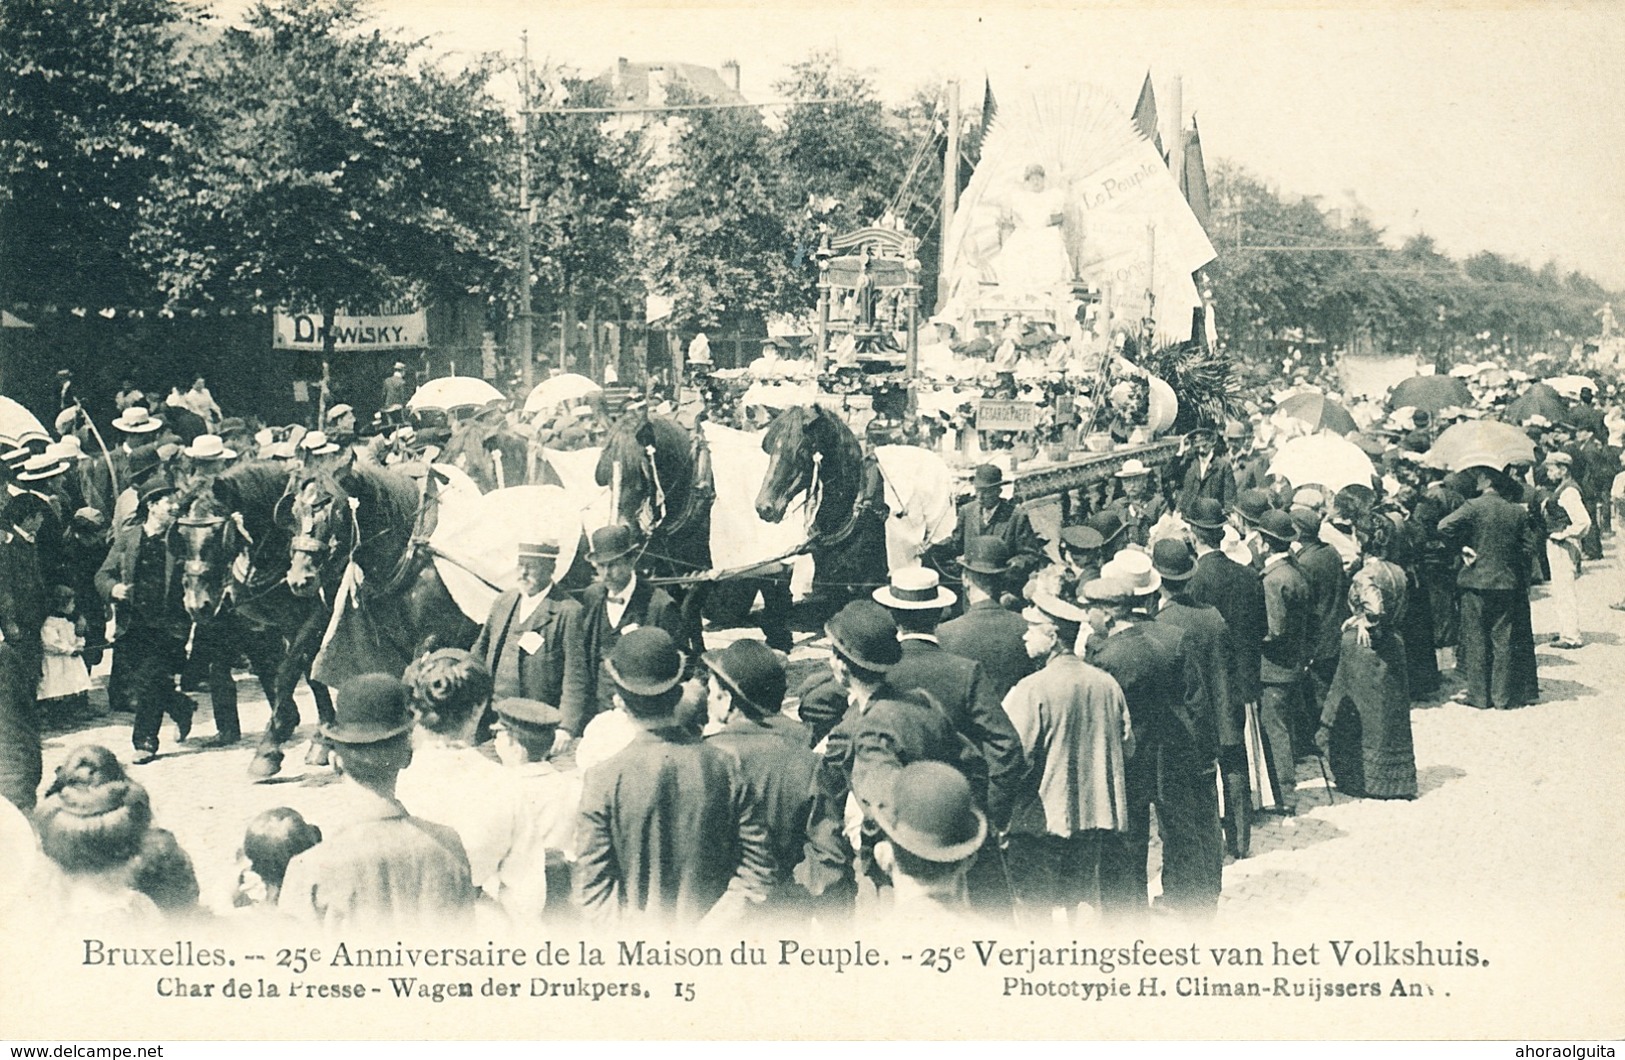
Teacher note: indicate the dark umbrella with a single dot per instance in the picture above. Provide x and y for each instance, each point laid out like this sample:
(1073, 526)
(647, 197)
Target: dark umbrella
(1538, 400)
(1318, 412)
(1430, 392)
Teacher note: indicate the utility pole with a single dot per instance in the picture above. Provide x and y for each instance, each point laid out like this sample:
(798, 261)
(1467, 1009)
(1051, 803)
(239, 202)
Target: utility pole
(950, 189)
(527, 368)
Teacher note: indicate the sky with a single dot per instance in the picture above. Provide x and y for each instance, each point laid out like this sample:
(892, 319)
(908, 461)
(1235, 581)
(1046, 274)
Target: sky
(1496, 126)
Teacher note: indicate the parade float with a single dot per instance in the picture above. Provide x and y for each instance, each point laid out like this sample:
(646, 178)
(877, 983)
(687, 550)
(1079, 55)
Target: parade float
(1069, 333)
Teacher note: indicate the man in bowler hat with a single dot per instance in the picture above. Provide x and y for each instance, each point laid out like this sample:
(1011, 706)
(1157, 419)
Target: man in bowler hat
(986, 632)
(669, 830)
(988, 512)
(381, 867)
(534, 643)
(744, 697)
(617, 602)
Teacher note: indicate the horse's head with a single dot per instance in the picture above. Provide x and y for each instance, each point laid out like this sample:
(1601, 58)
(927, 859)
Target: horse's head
(628, 467)
(795, 444)
(323, 529)
(205, 557)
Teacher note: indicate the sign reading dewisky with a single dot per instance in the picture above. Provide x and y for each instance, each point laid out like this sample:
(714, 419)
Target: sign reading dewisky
(378, 331)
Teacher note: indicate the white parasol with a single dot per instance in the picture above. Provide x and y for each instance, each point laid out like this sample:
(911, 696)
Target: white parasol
(1571, 385)
(563, 389)
(18, 426)
(1322, 459)
(453, 391)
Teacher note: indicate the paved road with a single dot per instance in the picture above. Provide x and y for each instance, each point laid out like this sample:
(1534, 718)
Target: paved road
(1509, 810)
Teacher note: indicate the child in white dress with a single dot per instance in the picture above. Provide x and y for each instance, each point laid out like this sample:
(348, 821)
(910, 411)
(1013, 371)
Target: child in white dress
(64, 682)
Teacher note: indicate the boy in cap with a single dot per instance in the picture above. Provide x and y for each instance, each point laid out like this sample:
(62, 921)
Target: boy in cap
(745, 691)
(669, 830)
(381, 868)
(533, 876)
(1065, 840)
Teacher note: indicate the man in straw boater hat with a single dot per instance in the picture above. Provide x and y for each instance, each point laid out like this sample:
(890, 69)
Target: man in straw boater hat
(1237, 593)
(1285, 652)
(1139, 507)
(988, 512)
(987, 632)
(881, 725)
(534, 641)
(915, 599)
(745, 693)
(139, 579)
(929, 833)
(1066, 840)
(1493, 534)
(669, 831)
(382, 867)
(618, 601)
(1171, 768)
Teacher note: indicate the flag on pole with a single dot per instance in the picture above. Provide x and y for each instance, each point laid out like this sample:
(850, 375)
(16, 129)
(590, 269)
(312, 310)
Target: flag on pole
(990, 106)
(1145, 116)
(1193, 178)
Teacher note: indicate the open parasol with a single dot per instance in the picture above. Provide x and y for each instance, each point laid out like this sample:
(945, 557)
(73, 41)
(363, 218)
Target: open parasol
(560, 390)
(18, 426)
(1569, 386)
(1538, 400)
(1430, 392)
(1319, 412)
(1322, 459)
(453, 391)
(1480, 443)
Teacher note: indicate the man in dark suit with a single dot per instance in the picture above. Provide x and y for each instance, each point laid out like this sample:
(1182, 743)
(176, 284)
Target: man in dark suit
(23, 608)
(1140, 506)
(1208, 474)
(881, 727)
(989, 514)
(1322, 569)
(533, 642)
(1289, 612)
(138, 578)
(669, 828)
(986, 632)
(744, 697)
(616, 603)
(915, 600)
(1237, 593)
(1173, 767)
(1495, 542)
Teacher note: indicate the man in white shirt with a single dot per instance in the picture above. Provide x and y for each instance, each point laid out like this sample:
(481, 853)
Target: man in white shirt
(1563, 544)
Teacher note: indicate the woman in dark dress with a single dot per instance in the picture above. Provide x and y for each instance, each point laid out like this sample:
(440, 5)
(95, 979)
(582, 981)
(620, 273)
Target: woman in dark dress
(1365, 724)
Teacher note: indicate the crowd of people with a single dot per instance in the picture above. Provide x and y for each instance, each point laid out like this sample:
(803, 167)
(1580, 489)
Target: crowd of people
(988, 744)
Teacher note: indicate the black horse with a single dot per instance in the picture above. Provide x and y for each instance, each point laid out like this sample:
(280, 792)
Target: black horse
(239, 560)
(380, 520)
(813, 453)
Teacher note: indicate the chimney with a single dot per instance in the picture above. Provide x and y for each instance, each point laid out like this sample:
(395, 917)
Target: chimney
(730, 73)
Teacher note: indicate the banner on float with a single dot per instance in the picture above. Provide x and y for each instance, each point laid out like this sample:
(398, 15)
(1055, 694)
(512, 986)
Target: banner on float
(352, 334)
(1006, 415)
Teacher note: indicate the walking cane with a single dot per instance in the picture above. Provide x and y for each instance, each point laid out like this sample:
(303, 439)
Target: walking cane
(1325, 777)
(112, 474)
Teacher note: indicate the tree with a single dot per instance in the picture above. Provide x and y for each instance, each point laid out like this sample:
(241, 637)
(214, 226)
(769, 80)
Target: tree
(585, 187)
(94, 95)
(714, 237)
(331, 166)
